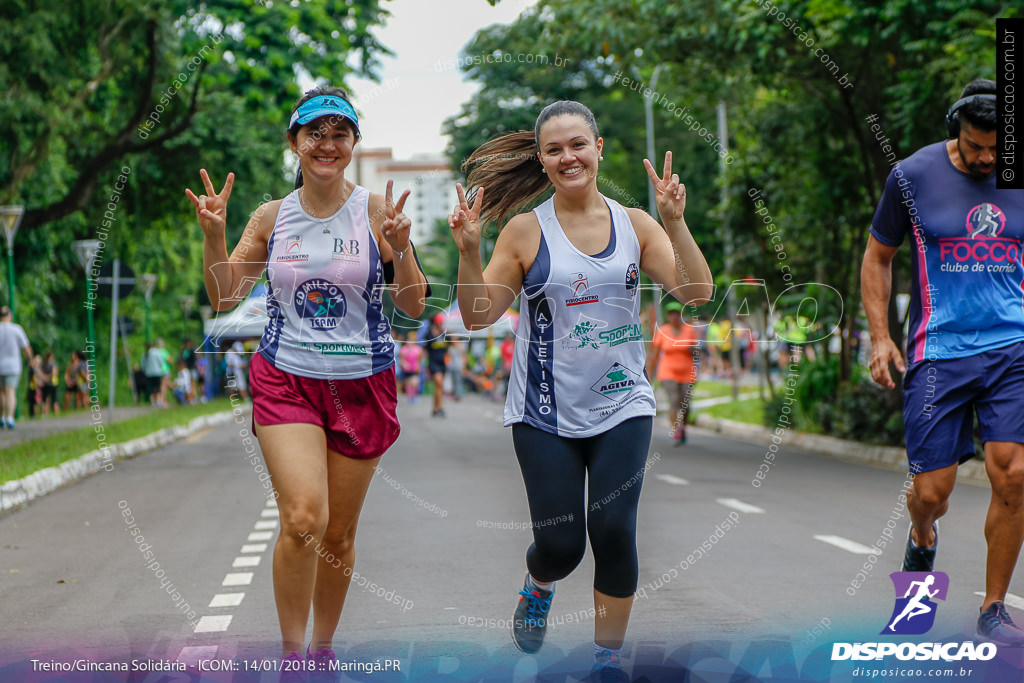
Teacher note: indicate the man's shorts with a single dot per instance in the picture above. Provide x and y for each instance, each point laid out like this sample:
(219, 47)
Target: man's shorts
(9, 380)
(358, 416)
(941, 396)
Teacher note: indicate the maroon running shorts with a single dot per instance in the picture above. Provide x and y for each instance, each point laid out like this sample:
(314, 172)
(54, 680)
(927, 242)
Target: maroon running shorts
(358, 416)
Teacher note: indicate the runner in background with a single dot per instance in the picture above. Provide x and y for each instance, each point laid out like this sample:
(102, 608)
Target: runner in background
(672, 361)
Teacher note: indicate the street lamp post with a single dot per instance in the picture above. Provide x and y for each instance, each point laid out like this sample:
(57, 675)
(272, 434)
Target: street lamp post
(11, 216)
(186, 302)
(652, 206)
(86, 251)
(206, 312)
(148, 285)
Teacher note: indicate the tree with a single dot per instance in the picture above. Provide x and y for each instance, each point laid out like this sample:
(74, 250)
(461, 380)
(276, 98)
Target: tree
(107, 89)
(800, 79)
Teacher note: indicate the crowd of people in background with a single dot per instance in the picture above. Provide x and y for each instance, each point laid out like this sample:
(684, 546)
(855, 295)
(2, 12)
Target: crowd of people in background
(425, 359)
(458, 365)
(430, 357)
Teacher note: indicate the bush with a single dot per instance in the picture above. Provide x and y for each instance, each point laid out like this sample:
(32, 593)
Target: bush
(860, 413)
(856, 410)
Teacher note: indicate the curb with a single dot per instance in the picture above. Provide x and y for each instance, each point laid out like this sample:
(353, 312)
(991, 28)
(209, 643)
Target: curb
(39, 483)
(868, 454)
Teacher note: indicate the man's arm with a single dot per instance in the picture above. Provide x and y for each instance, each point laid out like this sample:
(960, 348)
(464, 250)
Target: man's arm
(876, 287)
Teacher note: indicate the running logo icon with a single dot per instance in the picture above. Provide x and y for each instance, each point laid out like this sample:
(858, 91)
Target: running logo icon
(985, 220)
(916, 592)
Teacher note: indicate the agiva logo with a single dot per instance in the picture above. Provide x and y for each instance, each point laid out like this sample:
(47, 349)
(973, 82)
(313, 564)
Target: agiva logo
(616, 383)
(916, 592)
(914, 614)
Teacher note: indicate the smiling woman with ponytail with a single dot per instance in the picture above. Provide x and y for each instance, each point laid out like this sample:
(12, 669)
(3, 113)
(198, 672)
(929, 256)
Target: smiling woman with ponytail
(580, 408)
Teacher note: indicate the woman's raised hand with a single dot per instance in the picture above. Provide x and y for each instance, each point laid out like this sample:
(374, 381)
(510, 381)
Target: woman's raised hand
(669, 193)
(396, 226)
(465, 222)
(212, 207)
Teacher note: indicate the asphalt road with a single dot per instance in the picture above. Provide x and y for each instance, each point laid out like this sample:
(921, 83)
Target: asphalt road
(441, 551)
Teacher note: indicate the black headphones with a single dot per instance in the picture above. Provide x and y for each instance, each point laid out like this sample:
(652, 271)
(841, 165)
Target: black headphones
(953, 120)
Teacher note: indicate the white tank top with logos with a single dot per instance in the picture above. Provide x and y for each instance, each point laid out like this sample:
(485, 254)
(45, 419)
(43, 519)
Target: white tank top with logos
(325, 281)
(578, 367)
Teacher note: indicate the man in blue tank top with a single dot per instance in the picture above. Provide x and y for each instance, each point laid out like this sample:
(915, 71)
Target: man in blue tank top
(965, 347)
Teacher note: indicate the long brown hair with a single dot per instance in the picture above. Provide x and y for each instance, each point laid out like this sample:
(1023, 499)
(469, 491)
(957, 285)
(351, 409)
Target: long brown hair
(509, 168)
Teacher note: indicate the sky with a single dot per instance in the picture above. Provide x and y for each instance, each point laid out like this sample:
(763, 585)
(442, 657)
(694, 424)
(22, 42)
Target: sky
(421, 85)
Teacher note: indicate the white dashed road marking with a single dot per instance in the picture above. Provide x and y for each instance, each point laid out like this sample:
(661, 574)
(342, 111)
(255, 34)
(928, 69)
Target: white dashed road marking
(227, 600)
(848, 545)
(213, 624)
(740, 505)
(237, 579)
(192, 654)
(246, 561)
(672, 479)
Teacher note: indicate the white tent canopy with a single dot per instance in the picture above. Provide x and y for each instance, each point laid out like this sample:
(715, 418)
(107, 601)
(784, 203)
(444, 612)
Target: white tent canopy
(248, 320)
(245, 321)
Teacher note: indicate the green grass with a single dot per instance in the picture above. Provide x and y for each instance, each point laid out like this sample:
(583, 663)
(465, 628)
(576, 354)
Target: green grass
(715, 388)
(750, 411)
(27, 457)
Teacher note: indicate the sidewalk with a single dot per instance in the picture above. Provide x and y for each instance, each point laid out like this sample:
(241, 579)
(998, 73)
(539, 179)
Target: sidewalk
(45, 426)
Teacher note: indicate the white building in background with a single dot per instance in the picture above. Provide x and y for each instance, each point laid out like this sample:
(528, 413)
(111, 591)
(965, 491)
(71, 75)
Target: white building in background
(427, 176)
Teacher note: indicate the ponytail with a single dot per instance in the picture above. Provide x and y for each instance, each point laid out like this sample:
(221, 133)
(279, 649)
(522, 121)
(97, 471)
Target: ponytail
(298, 177)
(509, 166)
(510, 170)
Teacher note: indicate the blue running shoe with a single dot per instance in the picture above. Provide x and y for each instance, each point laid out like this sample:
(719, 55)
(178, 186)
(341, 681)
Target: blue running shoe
(608, 669)
(996, 625)
(916, 558)
(530, 620)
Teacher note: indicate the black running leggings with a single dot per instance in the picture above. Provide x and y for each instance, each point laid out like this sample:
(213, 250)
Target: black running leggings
(555, 470)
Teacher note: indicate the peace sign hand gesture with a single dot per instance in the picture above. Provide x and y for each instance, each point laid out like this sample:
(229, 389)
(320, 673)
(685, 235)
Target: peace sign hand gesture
(465, 222)
(396, 225)
(211, 208)
(669, 193)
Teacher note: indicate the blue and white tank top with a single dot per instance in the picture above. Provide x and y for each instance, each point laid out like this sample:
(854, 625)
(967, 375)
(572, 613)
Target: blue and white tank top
(324, 287)
(578, 366)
